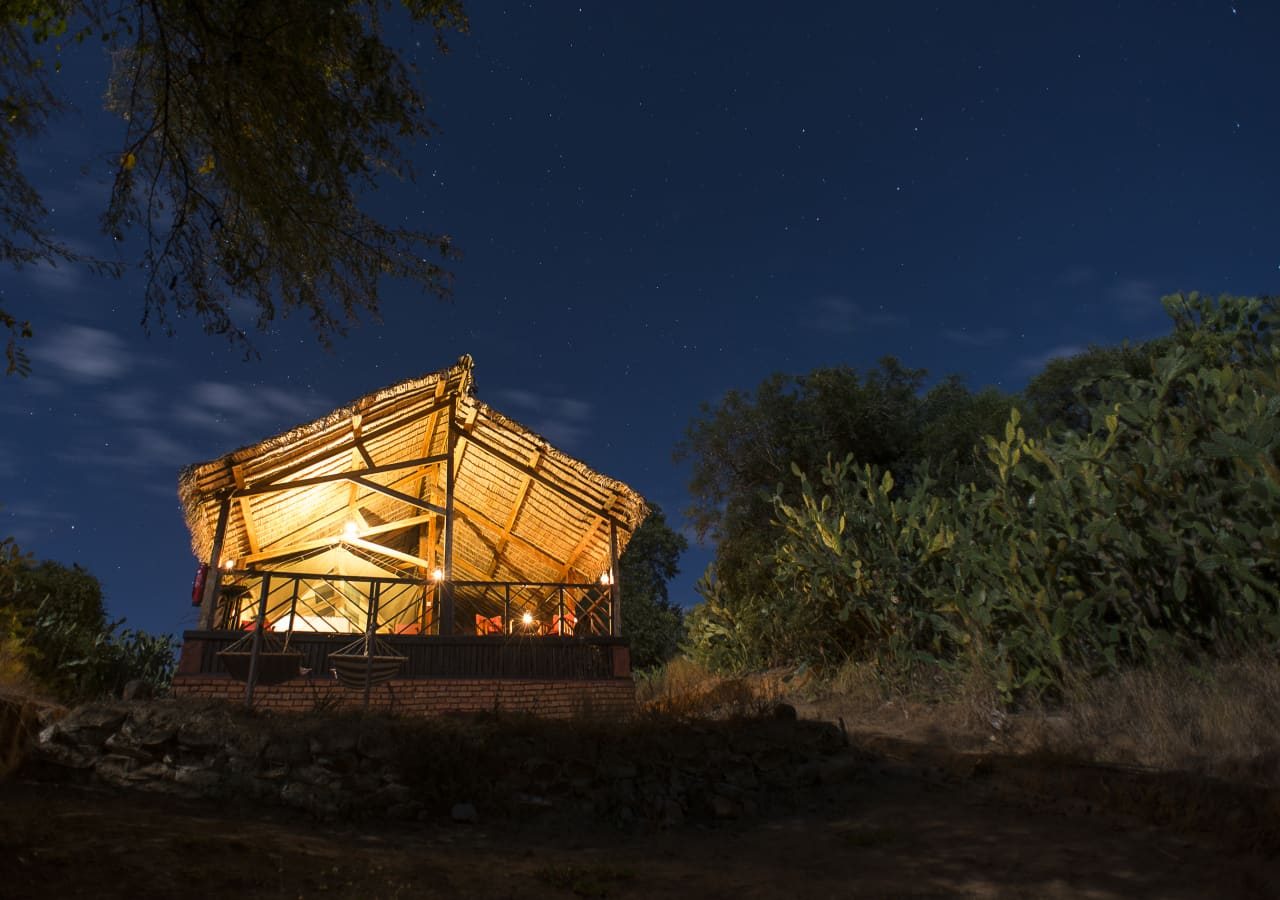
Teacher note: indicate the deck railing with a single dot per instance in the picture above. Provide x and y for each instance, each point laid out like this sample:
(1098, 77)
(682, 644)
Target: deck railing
(470, 656)
(315, 603)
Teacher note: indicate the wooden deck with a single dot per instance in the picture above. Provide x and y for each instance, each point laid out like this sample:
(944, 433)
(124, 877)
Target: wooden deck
(497, 656)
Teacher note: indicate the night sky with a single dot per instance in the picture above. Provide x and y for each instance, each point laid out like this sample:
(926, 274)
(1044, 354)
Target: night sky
(659, 202)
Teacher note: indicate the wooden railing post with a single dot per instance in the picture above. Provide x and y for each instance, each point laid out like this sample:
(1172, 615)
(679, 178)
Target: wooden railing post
(615, 590)
(370, 639)
(260, 623)
(446, 614)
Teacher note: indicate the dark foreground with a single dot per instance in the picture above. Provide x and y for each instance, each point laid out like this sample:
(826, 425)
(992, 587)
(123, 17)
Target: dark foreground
(898, 825)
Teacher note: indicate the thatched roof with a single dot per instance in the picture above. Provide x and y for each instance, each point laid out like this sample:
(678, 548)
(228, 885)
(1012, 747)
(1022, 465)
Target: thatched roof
(524, 511)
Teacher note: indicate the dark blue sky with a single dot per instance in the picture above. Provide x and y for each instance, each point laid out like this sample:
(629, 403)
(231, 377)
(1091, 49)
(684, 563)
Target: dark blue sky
(657, 203)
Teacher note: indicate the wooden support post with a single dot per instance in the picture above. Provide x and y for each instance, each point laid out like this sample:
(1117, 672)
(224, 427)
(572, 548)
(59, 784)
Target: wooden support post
(209, 602)
(293, 611)
(446, 613)
(261, 622)
(370, 632)
(615, 589)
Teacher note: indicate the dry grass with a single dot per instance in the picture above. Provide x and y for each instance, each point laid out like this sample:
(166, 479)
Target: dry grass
(1219, 718)
(1213, 717)
(684, 689)
(15, 680)
(924, 702)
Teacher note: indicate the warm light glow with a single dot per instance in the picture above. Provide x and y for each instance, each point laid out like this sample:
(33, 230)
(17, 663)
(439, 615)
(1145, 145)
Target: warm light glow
(228, 564)
(527, 618)
(606, 578)
(437, 574)
(350, 529)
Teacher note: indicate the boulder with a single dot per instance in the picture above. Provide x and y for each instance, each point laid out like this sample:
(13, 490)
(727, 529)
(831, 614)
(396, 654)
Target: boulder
(137, 689)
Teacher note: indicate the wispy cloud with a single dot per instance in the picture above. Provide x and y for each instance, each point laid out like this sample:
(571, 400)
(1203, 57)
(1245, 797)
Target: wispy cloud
(1133, 297)
(563, 421)
(840, 315)
(28, 520)
(133, 405)
(141, 447)
(234, 408)
(1078, 275)
(1039, 361)
(982, 337)
(83, 354)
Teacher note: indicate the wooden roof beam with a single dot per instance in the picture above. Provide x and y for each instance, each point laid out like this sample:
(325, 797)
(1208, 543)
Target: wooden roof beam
(339, 476)
(577, 499)
(246, 512)
(582, 546)
(521, 496)
(345, 444)
(386, 551)
(475, 516)
(317, 543)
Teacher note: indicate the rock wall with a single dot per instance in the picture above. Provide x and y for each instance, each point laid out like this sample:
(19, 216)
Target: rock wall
(21, 719)
(614, 697)
(344, 766)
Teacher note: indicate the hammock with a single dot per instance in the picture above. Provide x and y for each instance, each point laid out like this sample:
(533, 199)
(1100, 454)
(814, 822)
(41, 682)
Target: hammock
(276, 662)
(364, 662)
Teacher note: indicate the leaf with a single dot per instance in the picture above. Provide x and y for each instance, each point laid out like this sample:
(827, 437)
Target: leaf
(128, 162)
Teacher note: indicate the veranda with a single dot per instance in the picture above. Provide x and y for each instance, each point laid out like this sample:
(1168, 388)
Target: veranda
(415, 534)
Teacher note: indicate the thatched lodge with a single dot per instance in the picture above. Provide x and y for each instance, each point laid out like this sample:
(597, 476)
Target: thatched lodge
(414, 550)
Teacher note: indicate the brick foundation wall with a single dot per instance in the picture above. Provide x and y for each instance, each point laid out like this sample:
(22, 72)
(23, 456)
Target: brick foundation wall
(615, 697)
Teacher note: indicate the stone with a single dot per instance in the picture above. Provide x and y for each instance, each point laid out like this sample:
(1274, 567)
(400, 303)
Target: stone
(339, 740)
(64, 755)
(375, 746)
(405, 812)
(150, 735)
(288, 750)
(672, 814)
(742, 775)
(198, 779)
(122, 744)
(784, 712)
(618, 770)
(198, 733)
(464, 813)
(88, 726)
(113, 767)
(531, 800)
(771, 758)
(724, 808)
(394, 795)
(310, 774)
(137, 689)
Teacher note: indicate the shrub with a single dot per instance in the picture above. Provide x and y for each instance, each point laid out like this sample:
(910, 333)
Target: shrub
(1156, 530)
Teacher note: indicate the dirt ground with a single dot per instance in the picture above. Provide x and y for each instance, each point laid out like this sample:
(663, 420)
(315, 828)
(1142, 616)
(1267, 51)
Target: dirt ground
(905, 822)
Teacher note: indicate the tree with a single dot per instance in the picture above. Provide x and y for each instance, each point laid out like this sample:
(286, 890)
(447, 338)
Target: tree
(55, 628)
(1062, 396)
(743, 450)
(650, 620)
(250, 131)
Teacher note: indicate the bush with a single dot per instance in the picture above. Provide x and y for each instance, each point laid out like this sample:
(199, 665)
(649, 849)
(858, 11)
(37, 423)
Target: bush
(1154, 531)
(54, 633)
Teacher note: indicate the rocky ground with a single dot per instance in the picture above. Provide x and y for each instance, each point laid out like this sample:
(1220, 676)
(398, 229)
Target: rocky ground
(765, 807)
